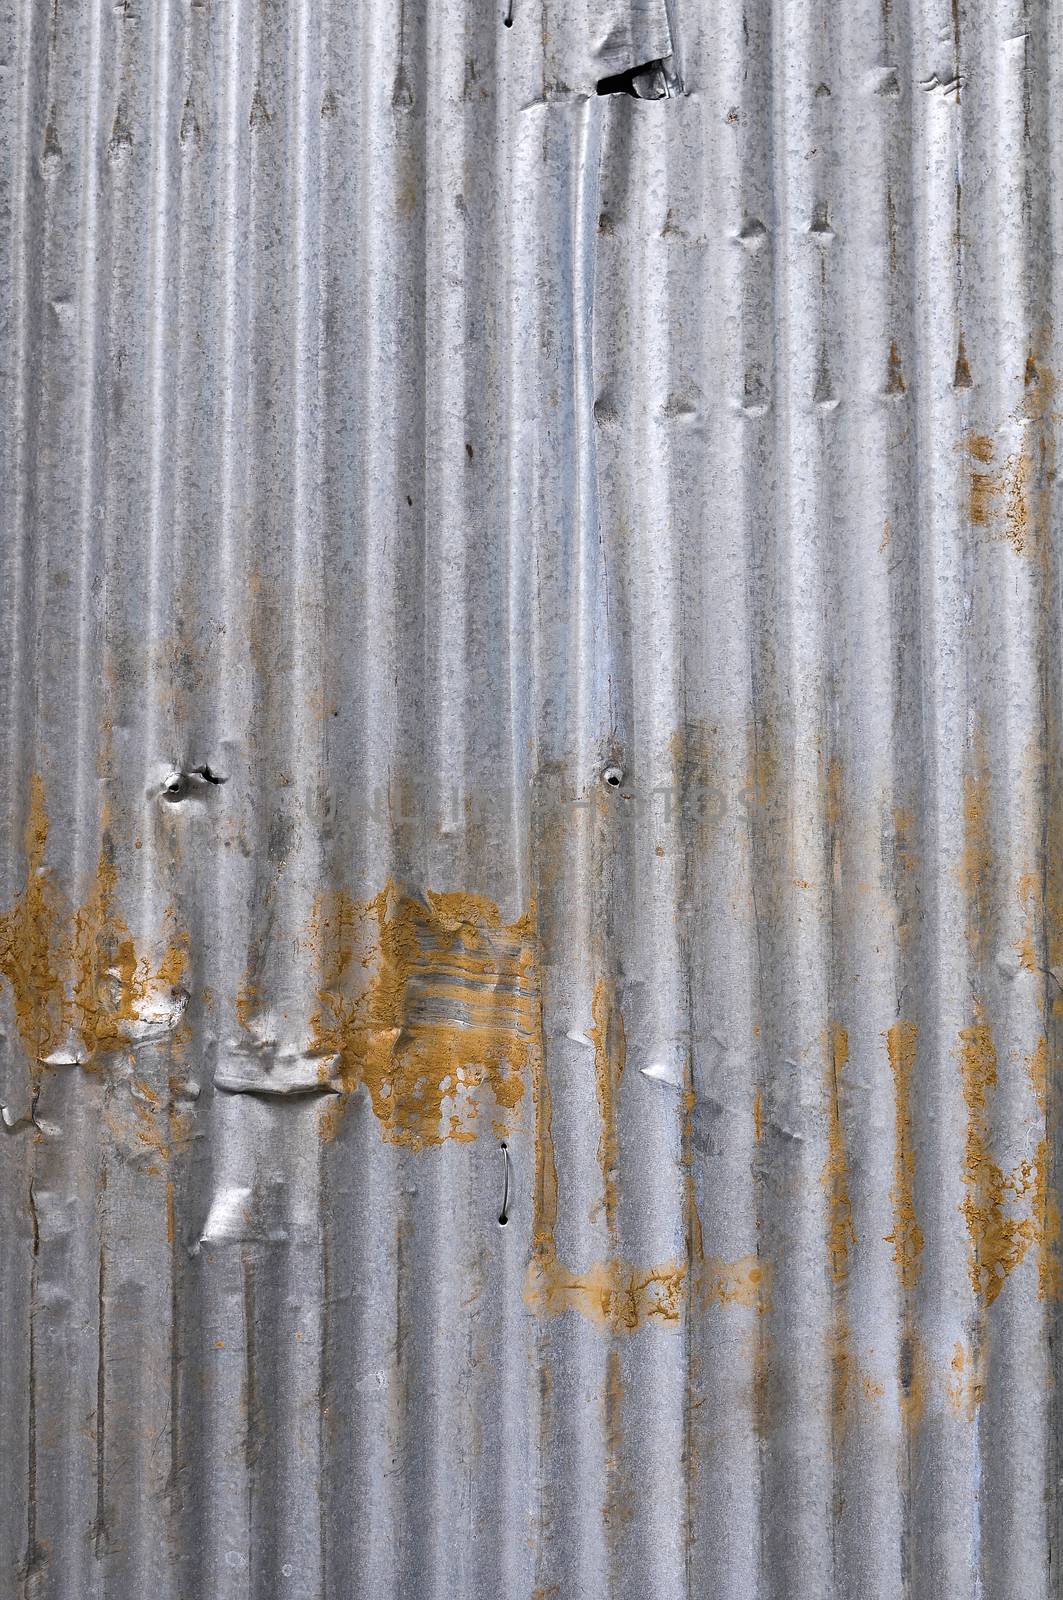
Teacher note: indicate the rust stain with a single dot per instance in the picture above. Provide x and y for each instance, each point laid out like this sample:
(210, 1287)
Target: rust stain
(914, 1379)
(764, 1386)
(904, 838)
(614, 1294)
(965, 1381)
(1037, 1069)
(976, 861)
(29, 936)
(842, 1372)
(762, 767)
(841, 1234)
(695, 1236)
(429, 1004)
(998, 500)
(1046, 1216)
(610, 1054)
(1029, 893)
(1008, 502)
(75, 972)
(758, 1113)
(984, 489)
(961, 378)
(999, 1240)
(907, 1235)
(743, 1282)
(618, 1504)
(246, 1000)
(834, 793)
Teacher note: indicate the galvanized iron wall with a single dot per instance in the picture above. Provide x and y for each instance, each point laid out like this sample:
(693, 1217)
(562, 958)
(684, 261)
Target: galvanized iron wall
(530, 618)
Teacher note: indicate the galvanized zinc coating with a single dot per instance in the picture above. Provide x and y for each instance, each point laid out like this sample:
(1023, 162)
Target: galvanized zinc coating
(532, 918)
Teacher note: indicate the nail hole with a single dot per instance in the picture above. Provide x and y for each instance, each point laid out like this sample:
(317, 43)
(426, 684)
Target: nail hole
(613, 777)
(176, 787)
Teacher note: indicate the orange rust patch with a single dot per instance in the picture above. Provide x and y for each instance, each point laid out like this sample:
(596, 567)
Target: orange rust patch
(30, 936)
(758, 1113)
(998, 1241)
(999, 501)
(841, 1234)
(77, 972)
(1011, 502)
(430, 1005)
(907, 1235)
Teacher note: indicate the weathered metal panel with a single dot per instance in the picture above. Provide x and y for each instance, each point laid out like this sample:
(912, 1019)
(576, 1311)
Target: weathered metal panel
(531, 618)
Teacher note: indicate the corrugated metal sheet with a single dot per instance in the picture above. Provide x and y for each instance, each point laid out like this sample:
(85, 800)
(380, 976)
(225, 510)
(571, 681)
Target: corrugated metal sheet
(531, 618)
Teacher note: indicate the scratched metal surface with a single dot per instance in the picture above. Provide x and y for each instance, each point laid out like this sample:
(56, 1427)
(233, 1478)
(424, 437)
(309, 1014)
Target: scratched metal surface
(530, 617)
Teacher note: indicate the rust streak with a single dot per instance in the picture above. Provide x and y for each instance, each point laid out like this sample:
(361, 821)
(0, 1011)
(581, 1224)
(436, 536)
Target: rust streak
(907, 1235)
